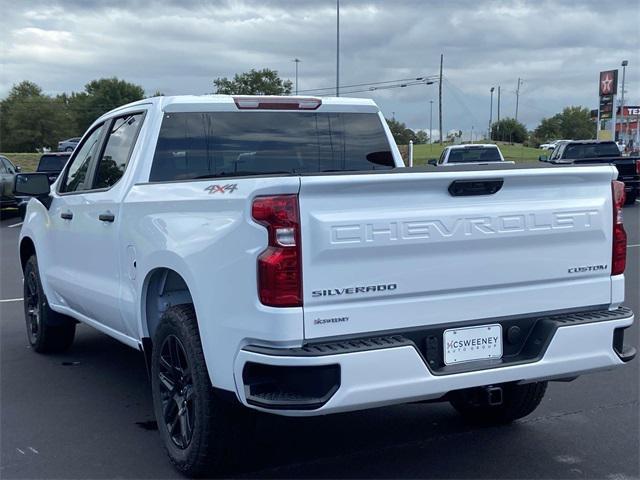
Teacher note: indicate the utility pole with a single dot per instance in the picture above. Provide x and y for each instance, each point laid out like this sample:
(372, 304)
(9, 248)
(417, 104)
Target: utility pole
(518, 97)
(430, 123)
(297, 61)
(337, 48)
(498, 125)
(440, 96)
(491, 111)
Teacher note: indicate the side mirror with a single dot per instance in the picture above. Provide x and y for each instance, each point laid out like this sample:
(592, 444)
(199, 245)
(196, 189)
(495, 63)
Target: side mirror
(543, 158)
(32, 185)
(18, 168)
(432, 161)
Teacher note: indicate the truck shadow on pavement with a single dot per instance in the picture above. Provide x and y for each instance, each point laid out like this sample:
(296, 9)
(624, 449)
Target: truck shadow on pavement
(414, 440)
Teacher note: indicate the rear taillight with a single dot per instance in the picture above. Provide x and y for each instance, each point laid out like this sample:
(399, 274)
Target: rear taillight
(638, 167)
(619, 248)
(280, 265)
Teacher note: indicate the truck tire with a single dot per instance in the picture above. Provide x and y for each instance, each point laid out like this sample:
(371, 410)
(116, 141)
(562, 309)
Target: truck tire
(47, 331)
(631, 198)
(517, 401)
(199, 429)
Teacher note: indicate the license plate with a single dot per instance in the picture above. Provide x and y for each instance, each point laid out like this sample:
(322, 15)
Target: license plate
(472, 343)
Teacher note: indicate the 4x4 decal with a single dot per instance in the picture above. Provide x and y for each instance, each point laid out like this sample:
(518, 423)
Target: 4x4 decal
(229, 187)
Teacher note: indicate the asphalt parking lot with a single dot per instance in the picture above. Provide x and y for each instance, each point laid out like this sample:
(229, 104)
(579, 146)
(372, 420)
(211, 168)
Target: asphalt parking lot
(88, 414)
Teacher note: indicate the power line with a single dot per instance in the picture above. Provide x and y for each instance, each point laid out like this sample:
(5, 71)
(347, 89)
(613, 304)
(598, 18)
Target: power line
(424, 79)
(384, 87)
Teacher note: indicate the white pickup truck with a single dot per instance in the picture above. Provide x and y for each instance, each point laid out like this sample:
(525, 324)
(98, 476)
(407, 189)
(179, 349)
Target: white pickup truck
(272, 253)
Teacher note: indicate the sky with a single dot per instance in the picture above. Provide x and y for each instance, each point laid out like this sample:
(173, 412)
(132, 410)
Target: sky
(556, 47)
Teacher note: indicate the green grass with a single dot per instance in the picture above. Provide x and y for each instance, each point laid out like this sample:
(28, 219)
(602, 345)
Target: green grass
(515, 152)
(27, 161)
(421, 153)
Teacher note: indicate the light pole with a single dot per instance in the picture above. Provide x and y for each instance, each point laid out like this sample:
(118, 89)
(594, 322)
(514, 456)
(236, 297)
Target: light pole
(623, 123)
(498, 127)
(297, 61)
(337, 48)
(491, 112)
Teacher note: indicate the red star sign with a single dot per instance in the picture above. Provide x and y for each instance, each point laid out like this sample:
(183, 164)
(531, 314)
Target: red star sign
(607, 84)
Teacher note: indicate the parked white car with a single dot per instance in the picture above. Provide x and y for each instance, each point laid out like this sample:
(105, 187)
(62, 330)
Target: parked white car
(271, 254)
(552, 145)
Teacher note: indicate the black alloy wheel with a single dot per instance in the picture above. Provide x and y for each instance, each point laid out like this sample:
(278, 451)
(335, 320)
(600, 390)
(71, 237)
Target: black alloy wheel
(32, 306)
(177, 392)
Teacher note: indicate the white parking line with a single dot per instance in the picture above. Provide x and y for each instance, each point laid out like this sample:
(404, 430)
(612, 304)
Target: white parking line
(633, 246)
(14, 225)
(8, 300)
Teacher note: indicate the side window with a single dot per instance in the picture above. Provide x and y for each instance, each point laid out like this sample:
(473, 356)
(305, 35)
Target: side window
(8, 166)
(77, 173)
(3, 169)
(442, 155)
(120, 141)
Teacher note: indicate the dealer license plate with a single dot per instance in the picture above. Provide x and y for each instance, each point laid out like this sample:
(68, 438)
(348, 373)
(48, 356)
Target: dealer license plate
(472, 343)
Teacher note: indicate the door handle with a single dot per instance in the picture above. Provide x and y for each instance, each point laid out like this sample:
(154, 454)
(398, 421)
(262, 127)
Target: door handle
(106, 217)
(465, 188)
(66, 215)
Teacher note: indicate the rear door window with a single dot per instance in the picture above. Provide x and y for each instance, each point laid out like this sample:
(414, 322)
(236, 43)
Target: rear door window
(203, 145)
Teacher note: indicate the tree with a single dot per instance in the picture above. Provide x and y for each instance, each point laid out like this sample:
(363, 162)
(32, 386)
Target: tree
(401, 134)
(31, 120)
(549, 129)
(509, 130)
(99, 97)
(254, 82)
(573, 123)
(421, 137)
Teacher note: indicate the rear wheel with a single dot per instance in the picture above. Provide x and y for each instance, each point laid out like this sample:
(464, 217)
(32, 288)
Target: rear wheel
(199, 429)
(48, 331)
(631, 198)
(517, 401)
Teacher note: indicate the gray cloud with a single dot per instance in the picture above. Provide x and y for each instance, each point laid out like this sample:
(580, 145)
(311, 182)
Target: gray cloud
(180, 47)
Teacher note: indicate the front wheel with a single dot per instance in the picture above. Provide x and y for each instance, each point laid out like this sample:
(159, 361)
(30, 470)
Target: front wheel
(198, 429)
(48, 331)
(517, 401)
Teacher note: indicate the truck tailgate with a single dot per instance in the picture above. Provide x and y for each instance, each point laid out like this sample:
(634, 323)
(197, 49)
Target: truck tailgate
(397, 250)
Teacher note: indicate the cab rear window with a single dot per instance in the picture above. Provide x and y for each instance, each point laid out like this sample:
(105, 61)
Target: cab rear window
(591, 150)
(474, 154)
(221, 144)
(52, 163)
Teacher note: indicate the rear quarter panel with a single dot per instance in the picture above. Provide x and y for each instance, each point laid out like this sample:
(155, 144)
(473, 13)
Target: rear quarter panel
(211, 240)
